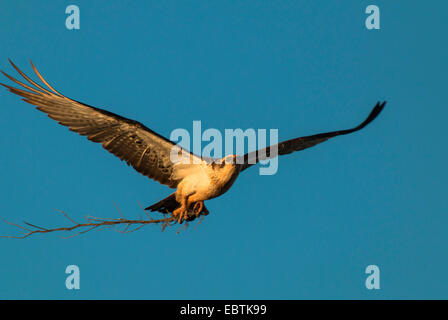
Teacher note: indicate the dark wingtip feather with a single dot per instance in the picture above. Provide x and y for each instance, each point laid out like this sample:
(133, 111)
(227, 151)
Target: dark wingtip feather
(5, 85)
(373, 114)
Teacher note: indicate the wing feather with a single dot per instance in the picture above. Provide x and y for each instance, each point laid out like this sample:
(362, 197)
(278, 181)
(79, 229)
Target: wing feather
(143, 149)
(297, 144)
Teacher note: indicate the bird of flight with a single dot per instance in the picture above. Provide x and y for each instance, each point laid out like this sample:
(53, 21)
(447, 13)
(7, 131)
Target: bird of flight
(149, 153)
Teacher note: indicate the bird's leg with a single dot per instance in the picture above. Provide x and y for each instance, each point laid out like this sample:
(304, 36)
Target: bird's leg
(181, 213)
(198, 206)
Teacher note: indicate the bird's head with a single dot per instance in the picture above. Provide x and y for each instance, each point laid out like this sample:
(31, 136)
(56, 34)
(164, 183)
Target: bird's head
(230, 159)
(226, 163)
(226, 169)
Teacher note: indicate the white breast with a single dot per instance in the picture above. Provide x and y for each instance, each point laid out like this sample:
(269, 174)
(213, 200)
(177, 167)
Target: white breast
(194, 179)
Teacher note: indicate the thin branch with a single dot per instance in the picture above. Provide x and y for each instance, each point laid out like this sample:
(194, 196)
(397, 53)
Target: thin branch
(66, 215)
(145, 211)
(93, 223)
(90, 225)
(118, 209)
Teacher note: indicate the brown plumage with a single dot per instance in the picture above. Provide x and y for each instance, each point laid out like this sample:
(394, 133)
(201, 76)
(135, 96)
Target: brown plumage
(197, 179)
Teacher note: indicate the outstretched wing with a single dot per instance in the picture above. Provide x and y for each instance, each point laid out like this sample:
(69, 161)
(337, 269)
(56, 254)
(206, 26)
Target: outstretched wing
(142, 148)
(301, 143)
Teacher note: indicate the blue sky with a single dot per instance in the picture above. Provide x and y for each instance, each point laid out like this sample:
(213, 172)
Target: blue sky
(303, 67)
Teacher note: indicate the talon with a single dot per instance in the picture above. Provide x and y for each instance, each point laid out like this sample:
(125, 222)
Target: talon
(198, 206)
(179, 213)
(185, 216)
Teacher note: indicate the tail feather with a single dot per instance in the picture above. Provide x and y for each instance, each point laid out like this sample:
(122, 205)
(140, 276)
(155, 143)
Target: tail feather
(167, 205)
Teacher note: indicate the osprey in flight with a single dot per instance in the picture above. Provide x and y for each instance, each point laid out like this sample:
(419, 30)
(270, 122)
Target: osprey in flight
(147, 152)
